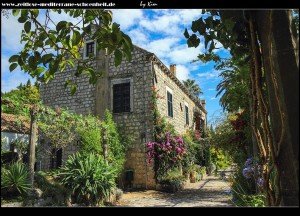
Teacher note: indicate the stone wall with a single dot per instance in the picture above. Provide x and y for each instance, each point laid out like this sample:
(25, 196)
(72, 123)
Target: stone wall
(54, 94)
(139, 122)
(93, 99)
(164, 81)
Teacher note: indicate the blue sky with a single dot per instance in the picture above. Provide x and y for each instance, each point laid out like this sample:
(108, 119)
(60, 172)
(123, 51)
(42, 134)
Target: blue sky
(159, 31)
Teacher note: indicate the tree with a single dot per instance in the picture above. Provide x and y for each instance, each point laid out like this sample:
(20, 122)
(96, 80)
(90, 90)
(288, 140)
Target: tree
(192, 87)
(270, 40)
(17, 101)
(28, 84)
(50, 47)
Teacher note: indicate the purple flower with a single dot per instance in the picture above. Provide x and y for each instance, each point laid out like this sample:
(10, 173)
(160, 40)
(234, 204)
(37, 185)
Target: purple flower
(179, 140)
(260, 182)
(178, 149)
(248, 162)
(247, 172)
(159, 156)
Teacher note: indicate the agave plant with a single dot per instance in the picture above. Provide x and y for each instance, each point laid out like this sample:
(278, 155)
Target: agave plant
(15, 179)
(89, 177)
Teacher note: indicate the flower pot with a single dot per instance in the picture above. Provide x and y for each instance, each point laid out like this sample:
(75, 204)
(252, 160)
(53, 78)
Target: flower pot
(192, 176)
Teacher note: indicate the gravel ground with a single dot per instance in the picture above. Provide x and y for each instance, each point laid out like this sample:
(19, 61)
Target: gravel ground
(211, 191)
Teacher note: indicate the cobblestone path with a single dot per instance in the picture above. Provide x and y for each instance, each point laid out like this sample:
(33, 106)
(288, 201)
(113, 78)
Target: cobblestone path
(211, 191)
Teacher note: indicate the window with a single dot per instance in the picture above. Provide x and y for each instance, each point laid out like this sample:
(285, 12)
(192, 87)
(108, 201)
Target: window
(187, 120)
(89, 48)
(121, 97)
(170, 103)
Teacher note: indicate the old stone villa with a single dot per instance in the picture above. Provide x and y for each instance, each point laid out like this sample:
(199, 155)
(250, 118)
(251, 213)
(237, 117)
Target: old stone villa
(126, 91)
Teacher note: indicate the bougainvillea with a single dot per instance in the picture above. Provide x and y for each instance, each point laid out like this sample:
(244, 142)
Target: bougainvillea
(166, 152)
(239, 126)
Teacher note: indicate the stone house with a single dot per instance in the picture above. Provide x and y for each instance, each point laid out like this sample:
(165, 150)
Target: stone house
(13, 128)
(126, 91)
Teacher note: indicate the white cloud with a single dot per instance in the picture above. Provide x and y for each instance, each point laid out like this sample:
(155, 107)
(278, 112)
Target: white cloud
(162, 47)
(182, 73)
(167, 24)
(209, 75)
(213, 98)
(187, 16)
(127, 17)
(182, 54)
(211, 89)
(10, 34)
(138, 37)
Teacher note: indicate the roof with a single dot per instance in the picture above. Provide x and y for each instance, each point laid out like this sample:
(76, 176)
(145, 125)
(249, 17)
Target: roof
(10, 123)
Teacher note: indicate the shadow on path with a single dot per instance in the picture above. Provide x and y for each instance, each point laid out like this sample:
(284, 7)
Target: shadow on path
(210, 192)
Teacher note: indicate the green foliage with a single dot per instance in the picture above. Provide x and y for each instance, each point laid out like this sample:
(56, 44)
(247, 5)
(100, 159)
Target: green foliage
(93, 133)
(50, 187)
(257, 200)
(17, 101)
(220, 158)
(244, 190)
(89, 177)
(15, 180)
(195, 149)
(9, 157)
(66, 39)
(173, 181)
(88, 130)
(235, 87)
(58, 127)
(116, 149)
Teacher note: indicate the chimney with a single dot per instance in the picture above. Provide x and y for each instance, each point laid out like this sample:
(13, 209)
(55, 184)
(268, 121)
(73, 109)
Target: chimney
(173, 69)
(203, 103)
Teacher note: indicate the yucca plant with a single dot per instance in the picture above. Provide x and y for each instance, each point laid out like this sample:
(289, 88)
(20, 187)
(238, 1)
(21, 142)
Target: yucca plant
(89, 177)
(15, 179)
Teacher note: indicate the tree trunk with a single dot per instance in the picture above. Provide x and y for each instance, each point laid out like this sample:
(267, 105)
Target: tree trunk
(32, 143)
(282, 78)
(104, 144)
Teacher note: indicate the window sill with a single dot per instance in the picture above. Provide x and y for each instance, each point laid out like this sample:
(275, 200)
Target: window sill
(123, 113)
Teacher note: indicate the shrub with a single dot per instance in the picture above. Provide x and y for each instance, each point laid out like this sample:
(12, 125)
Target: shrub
(88, 130)
(116, 144)
(51, 188)
(173, 181)
(9, 157)
(167, 153)
(93, 133)
(89, 177)
(15, 179)
(242, 187)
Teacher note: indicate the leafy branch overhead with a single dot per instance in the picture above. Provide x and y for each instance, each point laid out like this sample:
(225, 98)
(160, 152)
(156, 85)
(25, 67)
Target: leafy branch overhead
(50, 47)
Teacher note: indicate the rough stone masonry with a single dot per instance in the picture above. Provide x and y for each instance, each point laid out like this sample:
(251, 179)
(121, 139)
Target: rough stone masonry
(144, 71)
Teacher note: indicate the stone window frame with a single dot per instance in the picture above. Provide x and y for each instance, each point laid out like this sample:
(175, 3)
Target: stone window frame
(171, 92)
(86, 42)
(186, 117)
(121, 81)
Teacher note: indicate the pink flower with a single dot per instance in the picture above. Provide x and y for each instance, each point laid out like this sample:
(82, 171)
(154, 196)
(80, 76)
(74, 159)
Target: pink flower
(150, 145)
(178, 149)
(179, 140)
